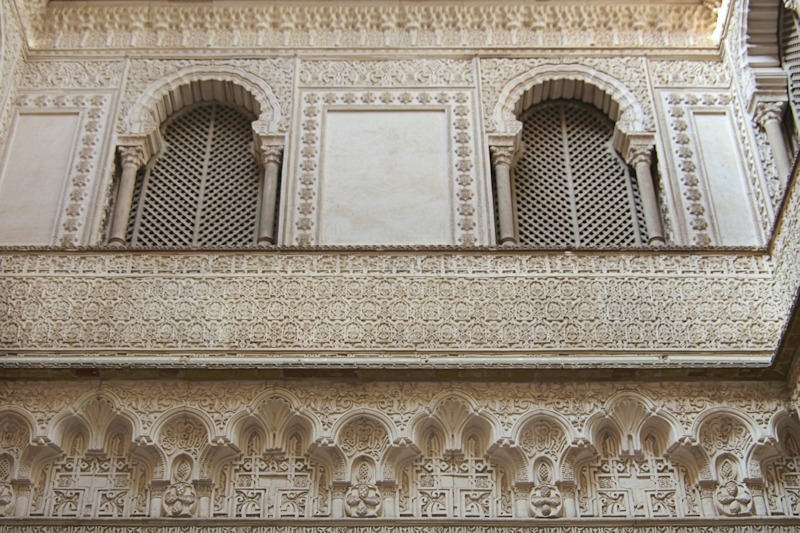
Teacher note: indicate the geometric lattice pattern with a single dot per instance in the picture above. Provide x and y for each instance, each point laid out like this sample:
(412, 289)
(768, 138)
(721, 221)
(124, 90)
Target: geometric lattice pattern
(572, 188)
(203, 189)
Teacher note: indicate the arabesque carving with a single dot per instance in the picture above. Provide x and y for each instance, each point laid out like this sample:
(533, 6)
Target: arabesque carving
(439, 475)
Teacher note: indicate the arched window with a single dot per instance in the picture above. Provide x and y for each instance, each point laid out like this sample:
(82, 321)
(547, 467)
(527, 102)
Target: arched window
(571, 187)
(203, 188)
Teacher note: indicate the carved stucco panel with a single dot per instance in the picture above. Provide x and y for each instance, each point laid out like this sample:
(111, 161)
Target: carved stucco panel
(689, 73)
(277, 73)
(629, 72)
(72, 74)
(80, 189)
(468, 195)
(385, 306)
(691, 193)
(403, 73)
(406, 26)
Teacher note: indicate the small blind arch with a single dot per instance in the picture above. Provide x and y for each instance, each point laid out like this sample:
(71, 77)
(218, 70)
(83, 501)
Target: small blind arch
(202, 190)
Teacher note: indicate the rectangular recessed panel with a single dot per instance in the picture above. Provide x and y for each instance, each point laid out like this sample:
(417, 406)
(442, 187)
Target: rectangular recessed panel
(727, 185)
(385, 178)
(35, 174)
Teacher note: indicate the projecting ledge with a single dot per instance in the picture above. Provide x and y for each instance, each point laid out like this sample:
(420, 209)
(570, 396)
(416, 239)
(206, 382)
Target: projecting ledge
(381, 525)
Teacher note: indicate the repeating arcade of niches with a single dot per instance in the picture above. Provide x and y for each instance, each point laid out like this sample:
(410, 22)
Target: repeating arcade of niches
(278, 459)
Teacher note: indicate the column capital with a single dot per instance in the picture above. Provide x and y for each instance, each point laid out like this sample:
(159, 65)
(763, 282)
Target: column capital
(766, 112)
(792, 5)
(502, 155)
(131, 155)
(270, 153)
(638, 154)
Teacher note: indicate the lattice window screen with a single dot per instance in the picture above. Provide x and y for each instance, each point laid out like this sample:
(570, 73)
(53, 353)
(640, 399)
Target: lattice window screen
(571, 187)
(203, 189)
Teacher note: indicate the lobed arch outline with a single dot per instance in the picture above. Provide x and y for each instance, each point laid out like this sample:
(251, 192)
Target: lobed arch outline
(145, 116)
(719, 411)
(366, 412)
(748, 462)
(533, 417)
(238, 421)
(474, 410)
(666, 426)
(23, 415)
(629, 119)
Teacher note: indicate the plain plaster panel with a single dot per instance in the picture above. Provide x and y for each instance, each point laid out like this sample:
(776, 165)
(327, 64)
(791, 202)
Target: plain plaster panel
(34, 176)
(727, 184)
(385, 178)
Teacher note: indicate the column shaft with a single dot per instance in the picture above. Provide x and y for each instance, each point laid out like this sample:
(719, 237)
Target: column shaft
(775, 137)
(132, 159)
(640, 157)
(505, 209)
(271, 160)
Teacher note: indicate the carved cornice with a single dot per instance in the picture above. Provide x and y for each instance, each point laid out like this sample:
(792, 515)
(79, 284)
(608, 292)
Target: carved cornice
(372, 25)
(736, 525)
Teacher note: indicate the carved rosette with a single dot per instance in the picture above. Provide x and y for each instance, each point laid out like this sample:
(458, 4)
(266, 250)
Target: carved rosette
(180, 499)
(363, 500)
(734, 499)
(546, 502)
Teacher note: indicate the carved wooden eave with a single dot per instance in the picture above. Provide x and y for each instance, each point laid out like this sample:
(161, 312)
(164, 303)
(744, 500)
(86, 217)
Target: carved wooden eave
(372, 25)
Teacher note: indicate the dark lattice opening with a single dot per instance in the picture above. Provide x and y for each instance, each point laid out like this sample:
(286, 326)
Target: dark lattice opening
(203, 188)
(572, 188)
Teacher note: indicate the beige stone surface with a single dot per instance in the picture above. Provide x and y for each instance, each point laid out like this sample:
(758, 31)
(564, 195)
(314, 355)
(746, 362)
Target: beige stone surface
(34, 177)
(386, 178)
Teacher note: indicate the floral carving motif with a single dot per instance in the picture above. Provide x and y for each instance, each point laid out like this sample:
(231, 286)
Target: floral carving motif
(546, 502)
(368, 26)
(734, 499)
(180, 499)
(363, 501)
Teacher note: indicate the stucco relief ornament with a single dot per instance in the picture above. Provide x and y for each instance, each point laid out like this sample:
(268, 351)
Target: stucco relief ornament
(546, 502)
(734, 499)
(180, 499)
(363, 499)
(6, 497)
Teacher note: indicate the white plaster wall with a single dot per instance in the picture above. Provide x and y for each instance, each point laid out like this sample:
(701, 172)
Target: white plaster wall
(385, 178)
(726, 181)
(34, 176)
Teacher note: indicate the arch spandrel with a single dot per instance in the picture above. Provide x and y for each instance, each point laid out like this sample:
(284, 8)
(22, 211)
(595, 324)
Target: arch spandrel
(608, 94)
(192, 84)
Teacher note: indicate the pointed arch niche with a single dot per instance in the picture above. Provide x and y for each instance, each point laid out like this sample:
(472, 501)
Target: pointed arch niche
(561, 176)
(171, 130)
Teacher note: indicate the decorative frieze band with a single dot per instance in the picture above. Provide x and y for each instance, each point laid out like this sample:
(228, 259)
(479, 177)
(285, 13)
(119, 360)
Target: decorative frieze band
(401, 301)
(399, 451)
(284, 25)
